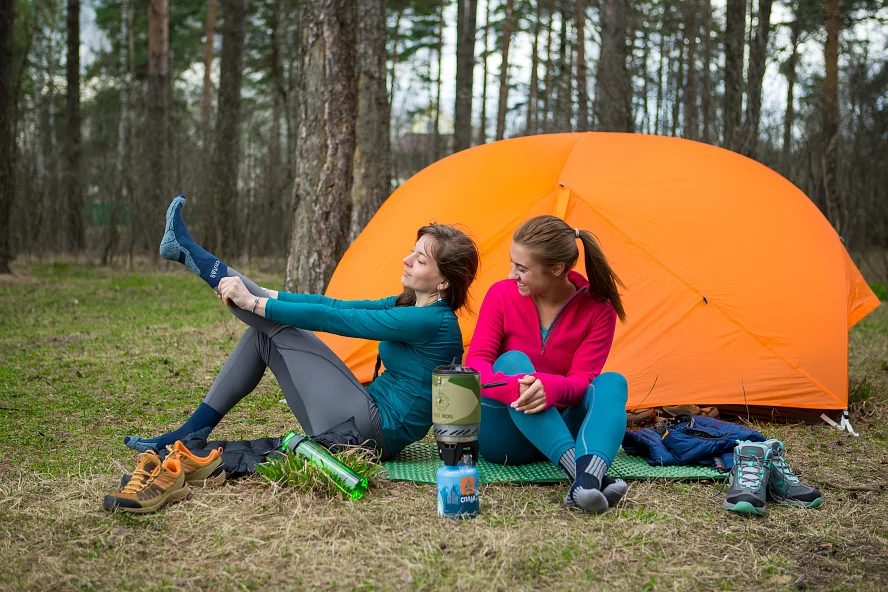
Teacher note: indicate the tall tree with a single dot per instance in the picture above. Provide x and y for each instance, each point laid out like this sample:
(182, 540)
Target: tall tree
(791, 72)
(466, 17)
(485, 60)
(372, 162)
(226, 153)
(206, 96)
(508, 29)
(828, 195)
(707, 103)
(735, 45)
(439, 56)
(691, 125)
(758, 54)
(547, 82)
(158, 106)
(322, 192)
(613, 86)
(582, 92)
(6, 144)
(533, 91)
(74, 172)
(563, 105)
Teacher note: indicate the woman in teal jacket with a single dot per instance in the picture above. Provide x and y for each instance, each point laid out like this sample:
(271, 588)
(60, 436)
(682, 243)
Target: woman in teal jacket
(417, 331)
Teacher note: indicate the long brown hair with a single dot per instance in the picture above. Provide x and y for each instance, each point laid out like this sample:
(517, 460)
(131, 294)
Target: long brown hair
(456, 255)
(552, 241)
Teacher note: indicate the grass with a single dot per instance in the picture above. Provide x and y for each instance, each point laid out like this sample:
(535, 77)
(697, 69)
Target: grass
(89, 355)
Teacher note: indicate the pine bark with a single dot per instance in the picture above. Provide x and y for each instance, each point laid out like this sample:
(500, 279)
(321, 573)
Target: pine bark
(563, 107)
(73, 174)
(533, 92)
(791, 76)
(691, 124)
(157, 109)
(830, 140)
(547, 84)
(372, 160)
(485, 57)
(582, 92)
(466, 16)
(735, 38)
(322, 192)
(613, 88)
(707, 104)
(206, 95)
(227, 146)
(508, 29)
(6, 139)
(439, 53)
(758, 55)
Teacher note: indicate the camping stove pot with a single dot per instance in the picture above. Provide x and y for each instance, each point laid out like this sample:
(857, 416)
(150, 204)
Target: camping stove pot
(456, 412)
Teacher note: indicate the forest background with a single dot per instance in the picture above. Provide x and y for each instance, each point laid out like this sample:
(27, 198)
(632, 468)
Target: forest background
(287, 123)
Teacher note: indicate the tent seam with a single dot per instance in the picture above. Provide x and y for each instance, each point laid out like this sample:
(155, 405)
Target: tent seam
(723, 313)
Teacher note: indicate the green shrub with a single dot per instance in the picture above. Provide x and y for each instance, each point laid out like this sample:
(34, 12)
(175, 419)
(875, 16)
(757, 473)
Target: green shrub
(880, 290)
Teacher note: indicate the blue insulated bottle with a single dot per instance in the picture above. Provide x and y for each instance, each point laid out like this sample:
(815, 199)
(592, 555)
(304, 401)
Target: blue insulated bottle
(457, 491)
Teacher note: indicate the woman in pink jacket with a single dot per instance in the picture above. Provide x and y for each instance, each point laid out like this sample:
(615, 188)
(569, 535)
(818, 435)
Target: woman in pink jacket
(541, 341)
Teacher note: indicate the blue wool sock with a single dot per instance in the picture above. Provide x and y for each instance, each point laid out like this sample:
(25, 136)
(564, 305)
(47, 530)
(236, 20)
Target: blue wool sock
(177, 245)
(197, 427)
(590, 472)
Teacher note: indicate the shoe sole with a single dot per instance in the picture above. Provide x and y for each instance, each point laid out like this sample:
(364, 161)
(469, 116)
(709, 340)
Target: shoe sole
(744, 508)
(211, 481)
(174, 496)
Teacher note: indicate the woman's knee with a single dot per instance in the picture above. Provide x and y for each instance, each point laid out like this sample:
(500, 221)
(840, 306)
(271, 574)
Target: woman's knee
(513, 362)
(614, 384)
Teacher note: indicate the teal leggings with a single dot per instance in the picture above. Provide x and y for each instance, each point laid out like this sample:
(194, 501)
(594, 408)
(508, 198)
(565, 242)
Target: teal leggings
(595, 426)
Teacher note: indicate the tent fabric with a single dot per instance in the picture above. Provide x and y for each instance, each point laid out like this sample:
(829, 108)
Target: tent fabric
(738, 290)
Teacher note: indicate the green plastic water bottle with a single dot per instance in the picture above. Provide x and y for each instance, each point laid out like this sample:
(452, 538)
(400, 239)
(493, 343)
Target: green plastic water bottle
(346, 480)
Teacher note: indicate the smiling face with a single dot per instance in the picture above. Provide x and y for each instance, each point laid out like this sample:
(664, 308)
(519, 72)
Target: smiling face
(533, 279)
(421, 272)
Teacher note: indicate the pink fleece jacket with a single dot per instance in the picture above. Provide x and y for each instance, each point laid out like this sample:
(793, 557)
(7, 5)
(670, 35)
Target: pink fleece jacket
(574, 353)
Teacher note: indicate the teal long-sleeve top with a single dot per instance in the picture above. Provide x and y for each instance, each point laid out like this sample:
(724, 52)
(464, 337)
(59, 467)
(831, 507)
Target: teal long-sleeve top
(413, 341)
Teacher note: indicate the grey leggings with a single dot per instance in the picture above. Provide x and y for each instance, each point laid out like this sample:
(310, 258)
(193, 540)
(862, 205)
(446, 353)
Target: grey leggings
(319, 388)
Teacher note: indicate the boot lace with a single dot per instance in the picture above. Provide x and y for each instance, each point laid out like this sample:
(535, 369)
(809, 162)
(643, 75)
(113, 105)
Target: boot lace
(750, 472)
(785, 469)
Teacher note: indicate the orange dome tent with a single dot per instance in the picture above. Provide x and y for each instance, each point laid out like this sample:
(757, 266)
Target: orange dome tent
(738, 291)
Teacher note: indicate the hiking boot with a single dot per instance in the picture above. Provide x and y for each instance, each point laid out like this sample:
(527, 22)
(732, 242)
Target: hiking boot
(151, 486)
(749, 478)
(200, 471)
(783, 485)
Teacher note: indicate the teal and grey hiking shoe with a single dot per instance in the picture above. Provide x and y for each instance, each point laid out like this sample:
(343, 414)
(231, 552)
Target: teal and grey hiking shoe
(783, 485)
(749, 478)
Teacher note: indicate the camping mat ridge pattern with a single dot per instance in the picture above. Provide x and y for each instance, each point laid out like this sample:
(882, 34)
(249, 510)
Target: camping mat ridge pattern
(419, 461)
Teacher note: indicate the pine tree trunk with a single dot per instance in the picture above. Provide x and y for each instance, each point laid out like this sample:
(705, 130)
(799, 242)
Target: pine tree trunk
(563, 101)
(395, 40)
(157, 122)
(691, 125)
(372, 160)
(678, 79)
(439, 53)
(485, 55)
(467, 14)
(74, 172)
(6, 135)
(706, 100)
(661, 61)
(508, 28)
(122, 186)
(206, 95)
(533, 90)
(328, 106)
(830, 140)
(582, 92)
(547, 85)
(613, 88)
(735, 37)
(791, 74)
(276, 176)
(226, 161)
(757, 56)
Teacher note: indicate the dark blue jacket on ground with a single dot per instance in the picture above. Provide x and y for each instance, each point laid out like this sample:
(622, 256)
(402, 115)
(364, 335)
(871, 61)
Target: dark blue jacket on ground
(697, 441)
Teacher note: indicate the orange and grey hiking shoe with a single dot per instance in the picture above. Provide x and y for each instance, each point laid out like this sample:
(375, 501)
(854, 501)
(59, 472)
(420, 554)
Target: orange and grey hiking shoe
(151, 486)
(200, 471)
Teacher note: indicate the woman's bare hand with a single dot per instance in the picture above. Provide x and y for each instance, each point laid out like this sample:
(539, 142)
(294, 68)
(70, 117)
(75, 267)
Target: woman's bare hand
(233, 290)
(531, 395)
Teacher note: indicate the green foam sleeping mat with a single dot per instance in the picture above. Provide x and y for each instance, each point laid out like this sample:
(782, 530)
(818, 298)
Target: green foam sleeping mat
(419, 461)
